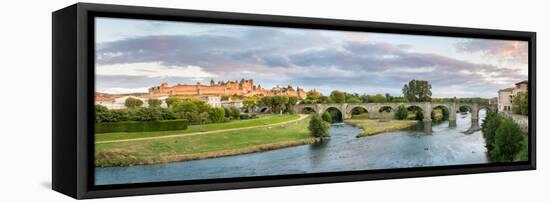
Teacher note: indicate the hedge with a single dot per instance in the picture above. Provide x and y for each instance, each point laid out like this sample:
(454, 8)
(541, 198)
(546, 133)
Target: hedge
(141, 126)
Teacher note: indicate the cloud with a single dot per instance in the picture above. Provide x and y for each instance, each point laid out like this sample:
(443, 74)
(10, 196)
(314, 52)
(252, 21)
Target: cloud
(152, 69)
(505, 51)
(305, 58)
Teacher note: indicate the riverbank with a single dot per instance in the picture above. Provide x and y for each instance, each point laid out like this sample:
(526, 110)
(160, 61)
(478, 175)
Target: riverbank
(186, 148)
(373, 126)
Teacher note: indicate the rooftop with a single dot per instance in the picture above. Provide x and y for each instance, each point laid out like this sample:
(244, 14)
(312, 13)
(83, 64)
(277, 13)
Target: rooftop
(522, 82)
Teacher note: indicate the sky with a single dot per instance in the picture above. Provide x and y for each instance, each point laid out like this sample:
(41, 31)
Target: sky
(134, 55)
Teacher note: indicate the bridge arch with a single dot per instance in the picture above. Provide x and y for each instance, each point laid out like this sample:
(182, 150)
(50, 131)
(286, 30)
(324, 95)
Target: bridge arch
(307, 110)
(446, 111)
(460, 106)
(356, 110)
(385, 108)
(263, 109)
(336, 113)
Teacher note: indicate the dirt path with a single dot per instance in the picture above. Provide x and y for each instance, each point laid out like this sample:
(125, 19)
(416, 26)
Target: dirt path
(302, 117)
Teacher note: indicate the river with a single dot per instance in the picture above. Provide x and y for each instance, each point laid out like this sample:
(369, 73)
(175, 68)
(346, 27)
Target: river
(342, 152)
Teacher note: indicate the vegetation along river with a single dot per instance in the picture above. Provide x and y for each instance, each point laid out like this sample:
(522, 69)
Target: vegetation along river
(342, 152)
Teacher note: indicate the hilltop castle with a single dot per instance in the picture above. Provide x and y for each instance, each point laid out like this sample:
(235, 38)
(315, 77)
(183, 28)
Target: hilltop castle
(243, 88)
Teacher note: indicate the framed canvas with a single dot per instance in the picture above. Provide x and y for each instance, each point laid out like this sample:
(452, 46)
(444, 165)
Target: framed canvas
(157, 100)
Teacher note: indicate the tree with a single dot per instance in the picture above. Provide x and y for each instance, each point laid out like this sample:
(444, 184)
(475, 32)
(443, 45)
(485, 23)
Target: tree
(401, 113)
(520, 104)
(189, 109)
(250, 103)
(353, 100)
(216, 115)
(227, 112)
(171, 100)
(378, 98)
(318, 128)
(327, 117)
(338, 97)
(418, 91)
(324, 99)
(508, 141)
(154, 103)
(399, 99)
(277, 104)
(419, 115)
(267, 101)
(202, 106)
(133, 102)
(445, 112)
(389, 98)
(489, 127)
(292, 101)
(101, 113)
(464, 109)
(284, 103)
(147, 114)
(234, 112)
(313, 95)
(182, 106)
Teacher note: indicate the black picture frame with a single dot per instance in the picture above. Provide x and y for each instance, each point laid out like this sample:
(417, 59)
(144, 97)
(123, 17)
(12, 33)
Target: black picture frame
(73, 90)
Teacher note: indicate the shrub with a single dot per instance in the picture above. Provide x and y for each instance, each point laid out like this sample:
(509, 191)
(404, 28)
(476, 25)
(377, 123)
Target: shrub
(254, 116)
(401, 113)
(227, 112)
(167, 114)
(216, 115)
(508, 141)
(147, 114)
(141, 126)
(318, 128)
(101, 113)
(133, 102)
(154, 103)
(244, 116)
(327, 117)
(234, 112)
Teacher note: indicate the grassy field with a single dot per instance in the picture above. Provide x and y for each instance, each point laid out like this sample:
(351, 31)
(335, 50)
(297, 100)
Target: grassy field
(203, 146)
(263, 120)
(373, 126)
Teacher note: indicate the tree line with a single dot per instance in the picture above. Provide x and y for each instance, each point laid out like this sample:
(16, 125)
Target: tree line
(505, 141)
(277, 104)
(193, 110)
(414, 91)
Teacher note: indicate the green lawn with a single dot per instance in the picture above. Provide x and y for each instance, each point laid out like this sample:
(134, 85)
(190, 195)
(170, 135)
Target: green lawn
(204, 146)
(263, 120)
(374, 126)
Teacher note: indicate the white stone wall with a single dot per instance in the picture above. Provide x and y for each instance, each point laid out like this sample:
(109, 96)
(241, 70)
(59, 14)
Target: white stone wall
(521, 120)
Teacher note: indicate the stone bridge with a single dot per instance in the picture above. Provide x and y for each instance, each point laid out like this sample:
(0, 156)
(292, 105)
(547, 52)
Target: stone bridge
(374, 108)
